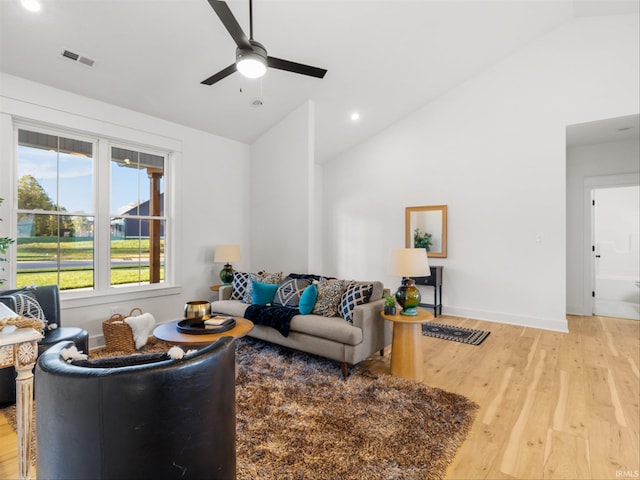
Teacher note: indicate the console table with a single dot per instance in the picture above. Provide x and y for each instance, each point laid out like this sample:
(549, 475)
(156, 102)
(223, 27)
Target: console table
(435, 281)
(20, 348)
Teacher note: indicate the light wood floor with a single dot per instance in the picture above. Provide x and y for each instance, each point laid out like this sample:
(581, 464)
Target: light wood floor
(552, 405)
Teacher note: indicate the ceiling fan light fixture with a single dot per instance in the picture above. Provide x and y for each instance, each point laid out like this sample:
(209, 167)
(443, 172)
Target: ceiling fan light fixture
(251, 66)
(252, 63)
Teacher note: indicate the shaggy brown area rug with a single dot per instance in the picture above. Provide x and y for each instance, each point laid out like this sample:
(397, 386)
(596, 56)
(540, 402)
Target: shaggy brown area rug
(298, 419)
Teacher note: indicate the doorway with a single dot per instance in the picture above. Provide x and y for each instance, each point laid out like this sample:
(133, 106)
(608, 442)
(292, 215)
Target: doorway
(616, 251)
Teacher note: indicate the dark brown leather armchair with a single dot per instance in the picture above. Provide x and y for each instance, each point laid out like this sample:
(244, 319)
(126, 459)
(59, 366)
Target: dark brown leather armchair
(141, 416)
(48, 297)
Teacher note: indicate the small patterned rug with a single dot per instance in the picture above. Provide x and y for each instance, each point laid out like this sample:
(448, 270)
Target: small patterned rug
(455, 334)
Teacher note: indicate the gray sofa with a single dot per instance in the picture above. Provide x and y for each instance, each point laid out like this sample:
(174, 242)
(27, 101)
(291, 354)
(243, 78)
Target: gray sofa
(330, 337)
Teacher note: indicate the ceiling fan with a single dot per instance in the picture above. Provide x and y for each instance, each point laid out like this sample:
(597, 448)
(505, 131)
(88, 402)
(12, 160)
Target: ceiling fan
(251, 56)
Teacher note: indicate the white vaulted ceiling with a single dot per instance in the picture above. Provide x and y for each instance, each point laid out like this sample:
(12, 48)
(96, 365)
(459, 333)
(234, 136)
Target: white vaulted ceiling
(384, 58)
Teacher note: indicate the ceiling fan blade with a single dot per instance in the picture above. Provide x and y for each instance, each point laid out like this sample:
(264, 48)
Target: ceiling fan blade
(295, 67)
(220, 75)
(229, 21)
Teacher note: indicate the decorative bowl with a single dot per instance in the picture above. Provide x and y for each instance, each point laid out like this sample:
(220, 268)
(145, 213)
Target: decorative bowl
(198, 309)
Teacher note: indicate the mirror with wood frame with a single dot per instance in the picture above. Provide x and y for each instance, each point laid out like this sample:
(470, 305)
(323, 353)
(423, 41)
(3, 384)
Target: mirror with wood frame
(426, 227)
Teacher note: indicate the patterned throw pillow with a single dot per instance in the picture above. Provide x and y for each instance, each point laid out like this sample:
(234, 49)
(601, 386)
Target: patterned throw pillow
(355, 294)
(239, 285)
(263, 277)
(329, 295)
(289, 292)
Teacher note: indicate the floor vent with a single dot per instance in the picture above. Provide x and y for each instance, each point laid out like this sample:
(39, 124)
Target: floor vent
(78, 58)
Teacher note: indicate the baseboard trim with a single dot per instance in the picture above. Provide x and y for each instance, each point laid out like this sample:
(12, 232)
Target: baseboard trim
(553, 324)
(577, 310)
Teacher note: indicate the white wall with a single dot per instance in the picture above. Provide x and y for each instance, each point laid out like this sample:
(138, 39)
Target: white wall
(597, 164)
(493, 150)
(282, 194)
(210, 176)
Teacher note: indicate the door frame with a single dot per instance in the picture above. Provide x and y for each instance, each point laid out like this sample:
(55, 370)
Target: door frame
(591, 184)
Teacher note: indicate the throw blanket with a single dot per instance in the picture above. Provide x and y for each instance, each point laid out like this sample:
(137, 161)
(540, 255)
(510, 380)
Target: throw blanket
(274, 316)
(141, 326)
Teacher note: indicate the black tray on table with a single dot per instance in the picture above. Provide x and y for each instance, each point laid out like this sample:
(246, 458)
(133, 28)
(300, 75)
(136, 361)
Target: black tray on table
(195, 326)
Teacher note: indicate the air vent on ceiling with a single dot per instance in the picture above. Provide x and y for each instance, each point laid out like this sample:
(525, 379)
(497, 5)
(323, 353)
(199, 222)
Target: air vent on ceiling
(78, 58)
(71, 55)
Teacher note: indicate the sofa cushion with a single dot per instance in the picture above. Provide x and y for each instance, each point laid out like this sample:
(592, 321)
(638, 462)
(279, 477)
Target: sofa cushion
(289, 291)
(355, 294)
(263, 293)
(331, 328)
(263, 277)
(329, 294)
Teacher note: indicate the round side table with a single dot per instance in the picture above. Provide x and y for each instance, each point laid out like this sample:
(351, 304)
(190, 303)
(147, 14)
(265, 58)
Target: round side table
(406, 346)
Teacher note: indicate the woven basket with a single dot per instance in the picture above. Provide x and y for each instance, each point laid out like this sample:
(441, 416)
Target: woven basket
(118, 335)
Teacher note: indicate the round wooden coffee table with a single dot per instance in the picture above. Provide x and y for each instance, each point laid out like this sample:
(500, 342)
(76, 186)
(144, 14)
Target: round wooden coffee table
(169, 333)
(406, 346)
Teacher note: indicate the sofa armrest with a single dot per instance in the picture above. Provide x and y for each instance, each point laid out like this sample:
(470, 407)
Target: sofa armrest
(225, 292)
(368, 313)
(376, 331)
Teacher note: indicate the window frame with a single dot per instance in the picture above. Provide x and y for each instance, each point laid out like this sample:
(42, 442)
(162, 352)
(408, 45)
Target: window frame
(103, 292)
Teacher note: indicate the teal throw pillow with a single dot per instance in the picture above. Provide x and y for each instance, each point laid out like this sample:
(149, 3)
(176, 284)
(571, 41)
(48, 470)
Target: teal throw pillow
(263, 293)
(308, 299)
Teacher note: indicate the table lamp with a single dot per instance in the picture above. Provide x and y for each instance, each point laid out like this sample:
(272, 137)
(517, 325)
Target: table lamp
(227, 254)
(406, 263)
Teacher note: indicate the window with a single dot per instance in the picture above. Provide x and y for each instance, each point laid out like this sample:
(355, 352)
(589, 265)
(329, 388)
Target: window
(137, 222)
(89, 216)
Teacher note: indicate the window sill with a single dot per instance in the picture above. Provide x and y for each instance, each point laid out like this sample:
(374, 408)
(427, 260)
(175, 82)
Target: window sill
(79, 299)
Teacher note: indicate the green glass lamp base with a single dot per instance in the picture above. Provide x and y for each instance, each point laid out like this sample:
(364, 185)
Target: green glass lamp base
(226, 274)
(408, 297)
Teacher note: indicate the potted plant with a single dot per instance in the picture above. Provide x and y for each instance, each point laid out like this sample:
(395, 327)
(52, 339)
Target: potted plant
(389, 305)
(422, 240)
(4, 245)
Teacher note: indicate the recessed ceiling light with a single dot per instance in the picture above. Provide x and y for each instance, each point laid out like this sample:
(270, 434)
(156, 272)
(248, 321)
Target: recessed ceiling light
(355, 116)
(32, 5)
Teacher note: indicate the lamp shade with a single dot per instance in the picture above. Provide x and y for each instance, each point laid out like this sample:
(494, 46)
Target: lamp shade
(410, 262)
(226, 254)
